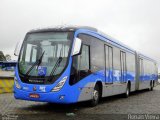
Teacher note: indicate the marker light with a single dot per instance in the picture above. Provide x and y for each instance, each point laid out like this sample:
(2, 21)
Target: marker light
(59, 85)
(16, 83)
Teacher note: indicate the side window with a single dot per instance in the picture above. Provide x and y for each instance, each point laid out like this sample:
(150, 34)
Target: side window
(130, 62)
(109, 57)
(123, 65)
(84, 62)
(116, 56)
(110, 52)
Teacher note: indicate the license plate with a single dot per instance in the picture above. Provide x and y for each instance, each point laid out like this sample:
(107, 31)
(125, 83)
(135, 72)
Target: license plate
(34, 96)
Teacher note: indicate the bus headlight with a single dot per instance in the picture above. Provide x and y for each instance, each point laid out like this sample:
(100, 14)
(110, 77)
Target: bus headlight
(59, 85)
(16, 83)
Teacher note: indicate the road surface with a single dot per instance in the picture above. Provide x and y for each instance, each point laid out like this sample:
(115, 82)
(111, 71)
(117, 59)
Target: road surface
(142, 102)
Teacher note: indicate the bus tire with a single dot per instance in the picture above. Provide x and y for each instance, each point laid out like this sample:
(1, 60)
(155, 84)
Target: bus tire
(127, 93)
(96, 96)
(151, 86)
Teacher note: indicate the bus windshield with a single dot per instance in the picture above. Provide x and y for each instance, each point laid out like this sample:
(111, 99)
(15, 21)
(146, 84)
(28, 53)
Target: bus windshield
(41, 51)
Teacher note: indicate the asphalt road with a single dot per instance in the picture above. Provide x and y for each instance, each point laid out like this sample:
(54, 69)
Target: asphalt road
(115, 107)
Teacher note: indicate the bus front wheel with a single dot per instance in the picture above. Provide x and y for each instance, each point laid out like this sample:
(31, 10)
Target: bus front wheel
(95, 96)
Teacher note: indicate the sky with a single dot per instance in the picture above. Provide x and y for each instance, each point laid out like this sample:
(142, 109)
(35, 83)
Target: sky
(136, 23)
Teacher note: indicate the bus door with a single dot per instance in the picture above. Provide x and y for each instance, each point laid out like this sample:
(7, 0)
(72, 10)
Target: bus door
(123, 67)
(108, 64)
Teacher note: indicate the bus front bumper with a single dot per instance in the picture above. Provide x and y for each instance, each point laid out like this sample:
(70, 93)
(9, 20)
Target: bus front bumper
(51, 97)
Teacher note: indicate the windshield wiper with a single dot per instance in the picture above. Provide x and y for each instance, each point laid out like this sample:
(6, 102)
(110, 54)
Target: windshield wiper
(38, 62)
(56, 66)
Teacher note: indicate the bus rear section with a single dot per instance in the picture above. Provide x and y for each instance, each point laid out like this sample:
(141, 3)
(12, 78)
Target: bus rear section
(147, 72)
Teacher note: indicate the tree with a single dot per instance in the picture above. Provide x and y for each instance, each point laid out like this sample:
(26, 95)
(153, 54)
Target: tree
(2, 57)
(8, 57)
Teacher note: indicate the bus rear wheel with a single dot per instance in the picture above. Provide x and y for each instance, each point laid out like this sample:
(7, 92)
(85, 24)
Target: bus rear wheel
(95, 96)
(151, 86)
(127, 93)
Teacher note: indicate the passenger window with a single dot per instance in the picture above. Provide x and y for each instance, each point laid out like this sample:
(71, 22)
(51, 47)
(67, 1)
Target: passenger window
(84, 62)
(110, 55)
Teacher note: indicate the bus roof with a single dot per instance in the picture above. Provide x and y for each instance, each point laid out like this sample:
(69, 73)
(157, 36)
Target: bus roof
(74, 28)
(115, 41)
(146, 57)
(63, 28)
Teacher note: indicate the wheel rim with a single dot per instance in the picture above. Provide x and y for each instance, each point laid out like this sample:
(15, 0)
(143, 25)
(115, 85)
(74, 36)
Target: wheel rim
(95, 95)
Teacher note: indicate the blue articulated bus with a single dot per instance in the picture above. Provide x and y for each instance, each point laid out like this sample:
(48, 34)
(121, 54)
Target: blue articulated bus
(73, 64)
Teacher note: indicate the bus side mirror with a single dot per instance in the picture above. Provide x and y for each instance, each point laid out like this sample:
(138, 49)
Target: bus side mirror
(77, 47)
(18, 47)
